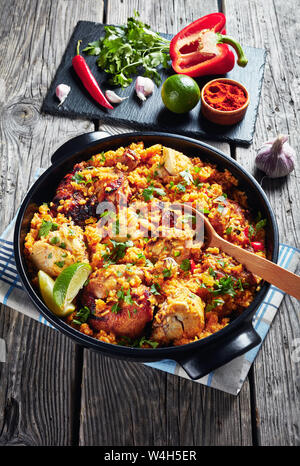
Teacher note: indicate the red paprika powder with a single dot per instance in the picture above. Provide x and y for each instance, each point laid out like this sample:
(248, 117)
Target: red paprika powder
(224, 96)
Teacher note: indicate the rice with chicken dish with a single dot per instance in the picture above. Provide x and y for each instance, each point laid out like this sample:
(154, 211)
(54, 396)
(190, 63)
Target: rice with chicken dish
(151, 283)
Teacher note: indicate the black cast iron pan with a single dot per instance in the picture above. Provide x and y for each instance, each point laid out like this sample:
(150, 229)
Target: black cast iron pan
(198, 358)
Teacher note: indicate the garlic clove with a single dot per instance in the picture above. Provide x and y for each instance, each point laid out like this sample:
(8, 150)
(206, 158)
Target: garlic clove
(61, 92)
(114, 98)
(143, 87)
(276, 158)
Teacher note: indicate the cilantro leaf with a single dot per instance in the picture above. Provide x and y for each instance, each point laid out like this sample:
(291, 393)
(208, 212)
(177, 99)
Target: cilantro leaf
(46, 227)
(82, 316)
(185, 265)
(125, 49)
(186, 176)
(148, 192)
(154, 289)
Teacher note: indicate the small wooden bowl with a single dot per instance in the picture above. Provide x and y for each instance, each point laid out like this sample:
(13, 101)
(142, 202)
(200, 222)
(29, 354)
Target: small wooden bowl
(222, 117)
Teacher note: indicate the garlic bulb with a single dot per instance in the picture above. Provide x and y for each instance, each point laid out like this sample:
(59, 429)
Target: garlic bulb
(113, 98)
(62, 92)
(276, 157)
(143, 87)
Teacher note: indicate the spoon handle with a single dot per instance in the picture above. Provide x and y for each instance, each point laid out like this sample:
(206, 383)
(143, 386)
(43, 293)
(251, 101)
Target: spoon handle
(272, 273)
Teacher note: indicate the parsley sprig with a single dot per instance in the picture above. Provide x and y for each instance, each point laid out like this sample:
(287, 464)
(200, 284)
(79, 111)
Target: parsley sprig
(124, 49)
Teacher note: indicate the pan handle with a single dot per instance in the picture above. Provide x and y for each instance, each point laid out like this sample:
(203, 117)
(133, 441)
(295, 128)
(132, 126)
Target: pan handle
(200, 364)
(77, 144)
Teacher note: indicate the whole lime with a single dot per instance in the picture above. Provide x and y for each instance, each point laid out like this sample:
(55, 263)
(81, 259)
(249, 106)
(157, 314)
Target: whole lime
(180, 93)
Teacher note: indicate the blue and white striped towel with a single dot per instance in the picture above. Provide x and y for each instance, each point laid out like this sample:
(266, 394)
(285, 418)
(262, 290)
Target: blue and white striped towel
(228, 378)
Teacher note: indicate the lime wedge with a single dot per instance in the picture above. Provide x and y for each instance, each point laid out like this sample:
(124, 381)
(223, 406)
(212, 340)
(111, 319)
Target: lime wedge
(69, 282)
(46, 284)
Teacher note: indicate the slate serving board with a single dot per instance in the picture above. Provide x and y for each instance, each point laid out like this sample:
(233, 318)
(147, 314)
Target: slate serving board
(152, 114)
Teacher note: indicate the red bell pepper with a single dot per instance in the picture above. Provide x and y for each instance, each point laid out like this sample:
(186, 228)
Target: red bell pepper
(193, 265)
(200, 48)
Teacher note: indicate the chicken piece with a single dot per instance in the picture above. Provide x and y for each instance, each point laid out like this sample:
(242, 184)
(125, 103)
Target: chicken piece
(180, 317)
(129, 158)
(70, 237)
(128, 305)
(65, 188)
(129, 225)
(102, 281)
(116, 190)
(168, 267)
(175, 162)
(76, 205)
(124, 319)
(163, 248)
(50, 259)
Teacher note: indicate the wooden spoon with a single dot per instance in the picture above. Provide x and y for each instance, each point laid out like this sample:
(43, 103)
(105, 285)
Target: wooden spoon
(272, 273)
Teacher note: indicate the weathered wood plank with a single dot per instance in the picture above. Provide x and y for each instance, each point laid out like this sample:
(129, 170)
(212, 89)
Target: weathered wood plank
(37, 382)
(275, 26)
(126, 403)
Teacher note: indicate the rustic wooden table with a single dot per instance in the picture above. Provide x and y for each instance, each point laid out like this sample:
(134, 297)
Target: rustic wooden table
(52, 391)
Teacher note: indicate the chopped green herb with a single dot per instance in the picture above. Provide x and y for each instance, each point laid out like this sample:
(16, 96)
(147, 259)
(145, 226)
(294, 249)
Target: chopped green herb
(143, 340)
(188, 217)
(213, 304)
(186, 176)
(228, 230)
(251, 232)
(108, 213)
(54, 240)
(181, 188)
(46, 227)
(204, 211)
(60, 264)
(154, 289)
(116, 227)
(198, 183)
(78, 178)
(115, 308)
(197, 169)
(148, 192)
(185, 265)
(261, 224)
(82, 315)
(176, 253)
(118, 251)
(167, 273)
(211, 272)
(225, 285)
(221, 198)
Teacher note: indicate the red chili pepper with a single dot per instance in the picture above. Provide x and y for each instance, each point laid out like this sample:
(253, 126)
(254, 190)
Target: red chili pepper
(200, 48)
(193, 265)
(88, 80)
(257, 246)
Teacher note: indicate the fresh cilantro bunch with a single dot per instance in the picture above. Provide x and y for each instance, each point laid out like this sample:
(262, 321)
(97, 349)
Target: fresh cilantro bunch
(125, 49)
